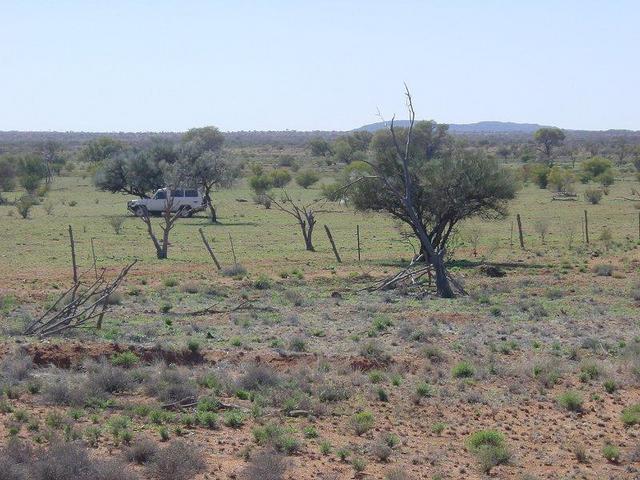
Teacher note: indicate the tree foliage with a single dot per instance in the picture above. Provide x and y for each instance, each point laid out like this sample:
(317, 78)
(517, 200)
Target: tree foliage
(101, 149)
(449, 184)
(202, 163)
(7, 173)
(133, 172)
(547, 138)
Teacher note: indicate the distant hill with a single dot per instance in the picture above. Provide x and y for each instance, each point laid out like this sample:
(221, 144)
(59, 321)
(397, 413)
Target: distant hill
(476, 128)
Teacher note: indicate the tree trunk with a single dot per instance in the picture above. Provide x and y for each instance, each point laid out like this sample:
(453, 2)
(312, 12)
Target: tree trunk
(306, 234)
(212, 210)
(442, 281)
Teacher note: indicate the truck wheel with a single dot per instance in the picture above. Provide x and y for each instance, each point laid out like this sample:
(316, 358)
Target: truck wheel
(187, 212)
(138, 211)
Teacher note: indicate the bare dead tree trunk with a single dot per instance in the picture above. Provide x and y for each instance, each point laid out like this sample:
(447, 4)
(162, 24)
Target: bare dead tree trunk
(162, 249)
(304, 215)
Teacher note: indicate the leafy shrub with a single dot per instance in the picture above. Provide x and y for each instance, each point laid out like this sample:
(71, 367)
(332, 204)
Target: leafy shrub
(358, 464)
(610, 386)
(280, 178)
(489, 447)
(234, 419)
(106, 378)
(24, 205)
(298, 344)
(141, 452)
(362, 422)
(593, 195)
(611, 453)
(307, 178)
(571, 401)
(603, 269)
(279, 438)
(171, 384)
(258, 376)
(374, 351)
(265, 465)
(262, 282)
(126, 359)
(178, 461)
(462, 370)
(631, 415)
(235, 270)
(116, 222)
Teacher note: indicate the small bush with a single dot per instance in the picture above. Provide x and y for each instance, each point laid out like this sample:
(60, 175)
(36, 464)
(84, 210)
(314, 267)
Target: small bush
(489, 447)
(170, 282)
(142, 452)
(236, 270)
(298, 344)
(362, 422)
(234, 419)
(126, 359)
(603, 270)
(307, 178)
(279, 438)
(593, 195)
(611, 453)
(631, 415)
(178, 461)
(258, 376)
(116, 223)
(463, 370)
(262, 283)
(265, 465)
(571, 401)
(24, 205)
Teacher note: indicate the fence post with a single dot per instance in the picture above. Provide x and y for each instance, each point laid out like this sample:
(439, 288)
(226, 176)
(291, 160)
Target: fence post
(586, 227)
(333, 244)
(73, 256)
(358, 236)
(206, 244)
(520, 231)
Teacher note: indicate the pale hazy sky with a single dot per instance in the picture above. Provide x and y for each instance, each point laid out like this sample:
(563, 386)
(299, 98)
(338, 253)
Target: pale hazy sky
(303, 65)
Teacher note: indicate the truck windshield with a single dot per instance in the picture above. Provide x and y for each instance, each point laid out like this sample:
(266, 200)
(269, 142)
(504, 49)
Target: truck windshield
(160, 195)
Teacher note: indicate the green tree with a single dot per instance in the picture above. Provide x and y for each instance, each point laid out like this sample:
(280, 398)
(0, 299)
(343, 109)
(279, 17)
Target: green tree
(202, 162)
(7, 173)
(131, 172)
(547, 138)
(31, 172)
(432, 192)
(101, 149)
(560, 179)
(319, 147)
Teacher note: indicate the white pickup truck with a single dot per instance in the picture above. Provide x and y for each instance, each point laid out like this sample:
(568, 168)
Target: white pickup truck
(186, 200)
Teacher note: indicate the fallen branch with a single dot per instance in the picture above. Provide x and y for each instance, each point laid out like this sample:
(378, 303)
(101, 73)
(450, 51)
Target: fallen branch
(83, 305)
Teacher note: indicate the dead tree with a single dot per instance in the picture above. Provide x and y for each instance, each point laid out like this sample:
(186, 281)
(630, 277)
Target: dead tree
(304, 215)
(170, 218)
(82, 305)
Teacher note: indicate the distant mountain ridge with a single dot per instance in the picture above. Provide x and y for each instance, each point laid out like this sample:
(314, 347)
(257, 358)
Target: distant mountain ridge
(486, 127)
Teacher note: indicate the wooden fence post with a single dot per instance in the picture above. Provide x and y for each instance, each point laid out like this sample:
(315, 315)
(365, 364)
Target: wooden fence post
(95, 263)
(73, 256)
(586, 227)
(206, 244)
(233, 251)
(333, 244)
(520, 231)
(358, 236)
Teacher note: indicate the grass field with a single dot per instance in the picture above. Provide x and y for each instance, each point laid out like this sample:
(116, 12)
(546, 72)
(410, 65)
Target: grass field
(531, 375)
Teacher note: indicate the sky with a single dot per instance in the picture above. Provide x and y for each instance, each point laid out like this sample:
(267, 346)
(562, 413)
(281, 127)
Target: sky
(169, 65)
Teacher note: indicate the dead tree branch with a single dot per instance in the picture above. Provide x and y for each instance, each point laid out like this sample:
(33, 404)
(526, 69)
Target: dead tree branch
(83, 304)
